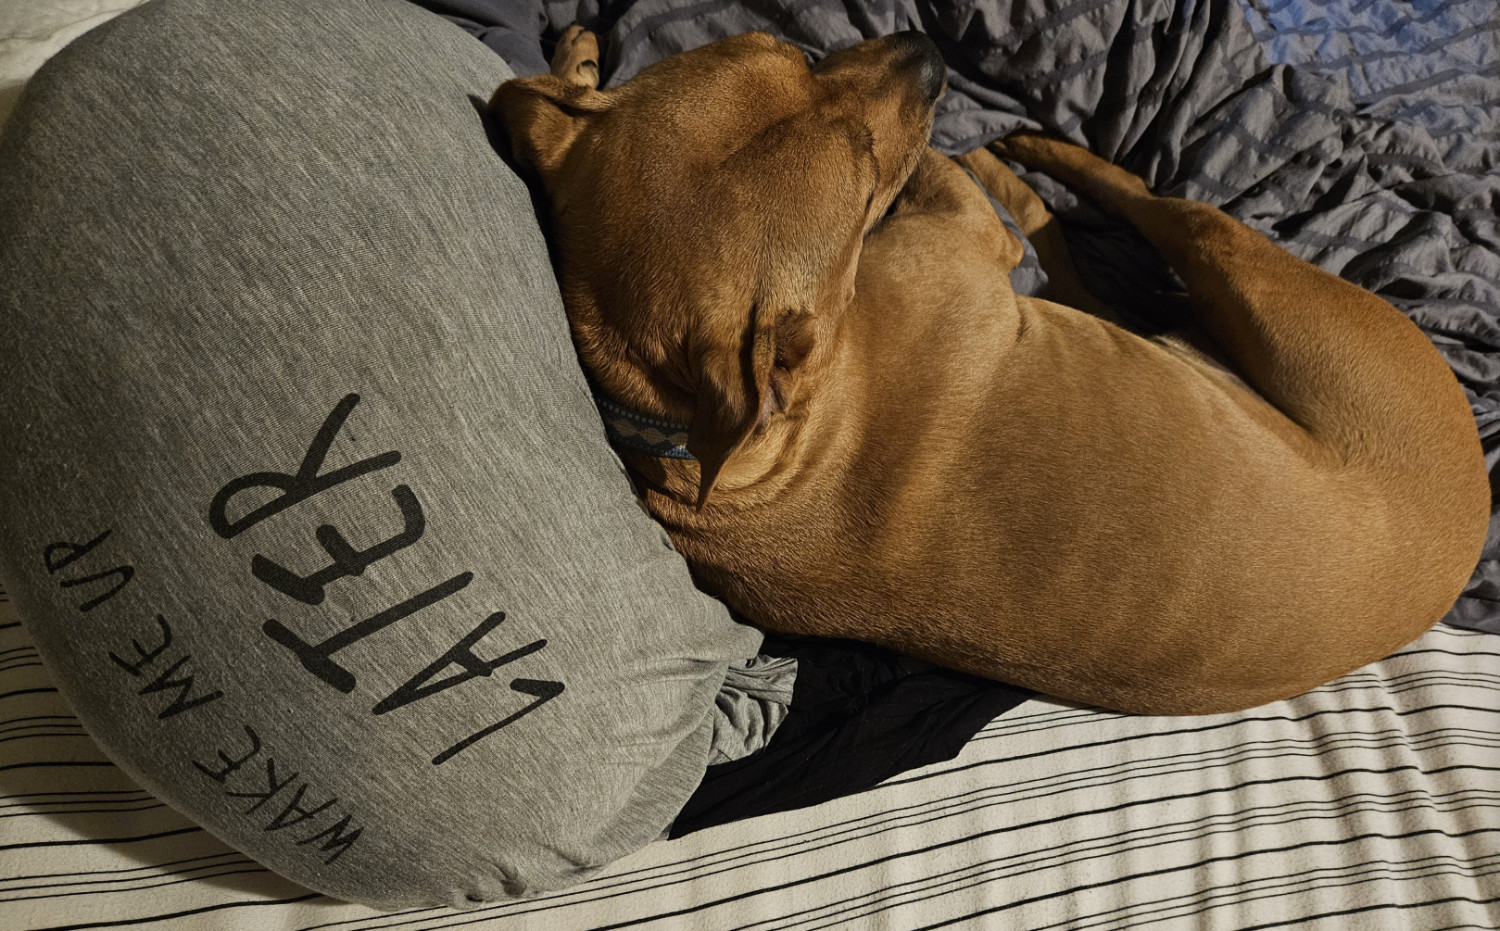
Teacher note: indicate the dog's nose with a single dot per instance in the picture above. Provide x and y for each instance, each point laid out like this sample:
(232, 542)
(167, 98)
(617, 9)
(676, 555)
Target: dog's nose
(923, 53)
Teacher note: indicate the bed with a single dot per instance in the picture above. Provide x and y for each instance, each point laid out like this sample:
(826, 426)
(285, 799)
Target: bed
(1362, 134)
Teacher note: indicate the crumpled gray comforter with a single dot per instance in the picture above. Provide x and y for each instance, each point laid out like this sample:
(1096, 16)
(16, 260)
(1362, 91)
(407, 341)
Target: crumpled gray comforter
(1362, 135)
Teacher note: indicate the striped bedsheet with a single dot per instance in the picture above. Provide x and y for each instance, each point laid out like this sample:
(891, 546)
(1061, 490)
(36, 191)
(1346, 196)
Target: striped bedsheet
(1373, 802)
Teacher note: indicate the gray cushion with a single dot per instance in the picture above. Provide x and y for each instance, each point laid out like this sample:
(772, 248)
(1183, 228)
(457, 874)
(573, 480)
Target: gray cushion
(303, 495)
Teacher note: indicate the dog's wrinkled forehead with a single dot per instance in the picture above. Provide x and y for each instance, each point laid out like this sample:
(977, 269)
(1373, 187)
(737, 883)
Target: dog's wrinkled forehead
(736, 108)
(745, 133)
(733, 150)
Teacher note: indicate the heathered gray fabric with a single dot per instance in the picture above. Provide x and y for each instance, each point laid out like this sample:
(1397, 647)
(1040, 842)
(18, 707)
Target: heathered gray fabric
(752, 703)
(284, 364)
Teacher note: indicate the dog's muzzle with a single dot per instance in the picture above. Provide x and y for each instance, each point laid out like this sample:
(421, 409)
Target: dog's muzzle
(922, 53)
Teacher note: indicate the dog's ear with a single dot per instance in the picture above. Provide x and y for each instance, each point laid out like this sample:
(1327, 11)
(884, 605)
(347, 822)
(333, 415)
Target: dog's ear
(741, 388)
(543, 115)
(733, 387)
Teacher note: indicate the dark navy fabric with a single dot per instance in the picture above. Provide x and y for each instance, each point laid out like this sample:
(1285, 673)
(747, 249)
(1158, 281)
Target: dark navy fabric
(860, 715)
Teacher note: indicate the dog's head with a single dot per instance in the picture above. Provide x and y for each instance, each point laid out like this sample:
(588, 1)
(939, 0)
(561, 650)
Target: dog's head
(709, 215)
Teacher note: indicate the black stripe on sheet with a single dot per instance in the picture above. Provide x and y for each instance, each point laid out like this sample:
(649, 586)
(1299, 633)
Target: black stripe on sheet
(1221, 725)
(1354, 11)
(1433, 680)
(1177, 907)
(1043, 721)
(53, 813)
(68, 797)
(1059, 719)
(169, 916)
(89, 841)
(58, 809)
(243, 868)
(1119, 773)
(636, 878)
(1084, 850)
(781, 844)
(1411, 681)
(57, 764)
(412, 917)
(1385, 906)
(1011, 726)
(15, 726)
(19, 692)
(5, 725)
(152, 869)
(1114, 881)
(1252, 892)
(1375, 871)
(48, 729)
(1111, 773)
(1208, 861)
(1226, 822)
(1233, 125)
(1315, 745)
(938, 809)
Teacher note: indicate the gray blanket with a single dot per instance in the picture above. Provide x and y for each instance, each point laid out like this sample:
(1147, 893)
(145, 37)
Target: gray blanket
(1362, 135)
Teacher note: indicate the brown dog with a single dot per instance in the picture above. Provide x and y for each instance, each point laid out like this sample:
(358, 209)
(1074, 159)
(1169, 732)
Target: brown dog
(892, 446)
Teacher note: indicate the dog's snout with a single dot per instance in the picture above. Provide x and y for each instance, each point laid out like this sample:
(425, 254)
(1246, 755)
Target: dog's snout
(923, 54)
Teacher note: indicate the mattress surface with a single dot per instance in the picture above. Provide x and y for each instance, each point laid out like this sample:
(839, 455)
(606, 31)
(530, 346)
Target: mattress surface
(1372, 802)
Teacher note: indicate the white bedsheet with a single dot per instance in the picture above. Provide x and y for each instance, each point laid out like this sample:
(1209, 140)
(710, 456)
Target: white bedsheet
(1373, 802)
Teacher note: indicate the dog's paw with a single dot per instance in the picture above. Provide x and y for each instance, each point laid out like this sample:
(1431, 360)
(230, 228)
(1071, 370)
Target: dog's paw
(576, 59)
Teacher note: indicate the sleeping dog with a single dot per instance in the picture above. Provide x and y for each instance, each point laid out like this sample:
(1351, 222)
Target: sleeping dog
(799, 321)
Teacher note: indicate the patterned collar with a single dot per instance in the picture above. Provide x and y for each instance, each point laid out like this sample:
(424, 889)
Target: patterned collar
(636, 432)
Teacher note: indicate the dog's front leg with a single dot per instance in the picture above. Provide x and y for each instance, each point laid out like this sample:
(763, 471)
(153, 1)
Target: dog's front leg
(1064, 284)
(940, 191)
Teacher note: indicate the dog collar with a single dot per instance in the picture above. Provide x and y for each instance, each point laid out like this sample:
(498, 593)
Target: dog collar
(632, 430)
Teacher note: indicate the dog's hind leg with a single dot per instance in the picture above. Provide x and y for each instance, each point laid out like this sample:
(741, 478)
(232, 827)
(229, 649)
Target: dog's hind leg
(576, 58)
(1064, 284)
(1348, 370)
